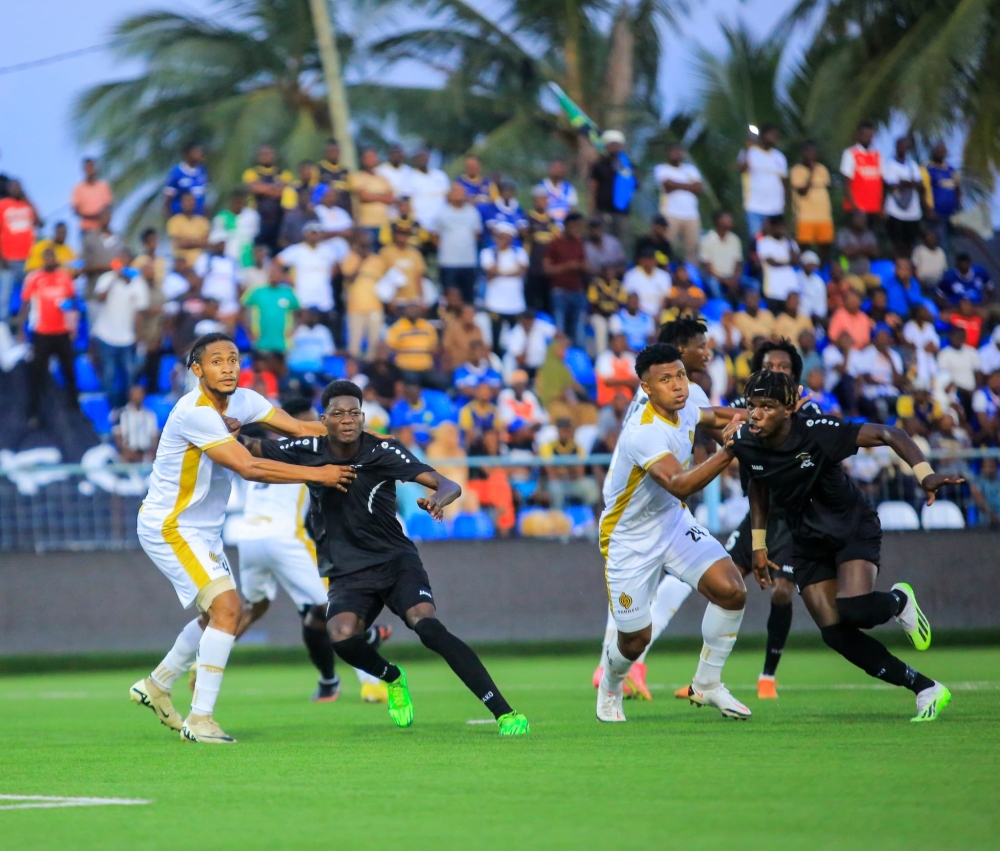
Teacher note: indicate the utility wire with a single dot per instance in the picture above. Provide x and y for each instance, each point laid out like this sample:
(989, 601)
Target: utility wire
(58, 57)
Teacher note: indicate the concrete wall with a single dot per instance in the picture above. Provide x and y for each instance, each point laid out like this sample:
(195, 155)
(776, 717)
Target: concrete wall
(70, 602)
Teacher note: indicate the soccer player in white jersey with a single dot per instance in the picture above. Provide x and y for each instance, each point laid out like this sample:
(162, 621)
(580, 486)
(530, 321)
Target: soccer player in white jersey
(181, 518)
(646, 529)
(276, 547)
(688, 337)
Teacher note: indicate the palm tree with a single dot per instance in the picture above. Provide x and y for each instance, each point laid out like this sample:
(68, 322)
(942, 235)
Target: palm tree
(935, 61)
(232, 86)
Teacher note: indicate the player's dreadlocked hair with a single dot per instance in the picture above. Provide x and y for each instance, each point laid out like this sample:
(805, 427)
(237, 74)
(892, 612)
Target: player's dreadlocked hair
(341, 387)
(654, 355)
(779, 386)
(783, 345)
(203, 342)
(680, 332)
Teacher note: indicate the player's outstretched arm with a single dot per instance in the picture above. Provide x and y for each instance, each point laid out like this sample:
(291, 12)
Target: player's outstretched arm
(233, 455)
(760, 506)
(873, 434)
(718, 417)
(287, 426)
(675, 480)
(445, 492)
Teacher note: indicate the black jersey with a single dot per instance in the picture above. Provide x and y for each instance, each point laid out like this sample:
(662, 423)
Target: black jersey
(806, 480)
(357, 529)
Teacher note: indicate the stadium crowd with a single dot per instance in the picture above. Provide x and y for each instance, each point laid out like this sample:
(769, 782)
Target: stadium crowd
(480, 327)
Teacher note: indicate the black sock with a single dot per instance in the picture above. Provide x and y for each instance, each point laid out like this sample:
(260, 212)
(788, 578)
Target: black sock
(358, 653)
(872, 657)
(869, 610)
(320, 649)
(779, 622)
(464, 662)
(373, 637)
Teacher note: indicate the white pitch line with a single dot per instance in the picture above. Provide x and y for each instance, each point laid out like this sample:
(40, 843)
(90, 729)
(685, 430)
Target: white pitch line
(44, 802)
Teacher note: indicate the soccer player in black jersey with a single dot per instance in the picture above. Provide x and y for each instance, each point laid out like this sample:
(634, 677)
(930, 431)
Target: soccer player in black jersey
(793, 461)
(368, 558)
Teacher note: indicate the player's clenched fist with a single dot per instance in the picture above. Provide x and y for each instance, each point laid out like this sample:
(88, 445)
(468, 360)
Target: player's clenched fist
(337, 476)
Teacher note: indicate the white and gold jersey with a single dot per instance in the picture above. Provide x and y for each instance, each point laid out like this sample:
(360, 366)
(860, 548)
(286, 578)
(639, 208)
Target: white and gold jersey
(275, 511)
(186, 489)
(635, 503)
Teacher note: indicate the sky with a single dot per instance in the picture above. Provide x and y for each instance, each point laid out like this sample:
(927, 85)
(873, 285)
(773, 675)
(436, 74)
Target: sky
(37, 142)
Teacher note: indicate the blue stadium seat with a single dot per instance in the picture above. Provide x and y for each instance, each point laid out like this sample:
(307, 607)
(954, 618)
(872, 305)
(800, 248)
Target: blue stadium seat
(86, 377)
(423, 527)
(526, 488)
(695, 275)
(242, 339)
(441, 405)
(167, 364)
(98, 411)
(334, 367)
(578, 362)
(714, 308)
(883, 268)
(582, 517)
(474, 526)
(161, 405)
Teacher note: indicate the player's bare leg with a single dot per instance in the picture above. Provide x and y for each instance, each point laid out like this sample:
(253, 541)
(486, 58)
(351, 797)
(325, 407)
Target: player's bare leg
(618, 658)
(842, 607)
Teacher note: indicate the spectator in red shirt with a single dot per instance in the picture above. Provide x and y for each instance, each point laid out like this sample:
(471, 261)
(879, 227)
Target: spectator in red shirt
(48, 299)
(18, 219)
(565, 263)
(968, 320)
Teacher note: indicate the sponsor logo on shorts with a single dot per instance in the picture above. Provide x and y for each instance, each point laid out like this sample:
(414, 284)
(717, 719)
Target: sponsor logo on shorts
(787, 568)
(756, 467)
(425, 593)
(625, 601)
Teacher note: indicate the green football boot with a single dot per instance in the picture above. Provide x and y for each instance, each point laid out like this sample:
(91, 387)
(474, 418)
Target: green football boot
(513, 724)
(912, 619)
(931, 702)
(400, 705)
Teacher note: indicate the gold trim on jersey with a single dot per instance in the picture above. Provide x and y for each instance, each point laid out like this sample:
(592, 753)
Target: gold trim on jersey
(618, 509)
(651, 413)
(651, 463)
(300, 526)
(171, 534)
(268, 416)
(218, 442)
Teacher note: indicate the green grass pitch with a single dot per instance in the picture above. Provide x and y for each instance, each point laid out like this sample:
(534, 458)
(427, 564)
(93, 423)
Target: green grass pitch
(834, 764)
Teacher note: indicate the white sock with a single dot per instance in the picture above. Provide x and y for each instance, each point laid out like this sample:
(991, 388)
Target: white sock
(616, 667)
(669, 597)
(610, 635)
(180, 658)
(719, 629)
(365, 678)
(213, 653)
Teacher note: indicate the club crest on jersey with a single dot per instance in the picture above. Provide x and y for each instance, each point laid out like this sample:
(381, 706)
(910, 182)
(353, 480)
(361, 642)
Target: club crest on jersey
(806, 460)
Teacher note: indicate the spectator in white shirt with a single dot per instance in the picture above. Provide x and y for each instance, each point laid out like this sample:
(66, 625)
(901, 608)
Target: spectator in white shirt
(121, 296)
(648, 281)
(220, 277)
(681, 184)
(721, 256)
(903, 184)
(929, 260)
(313, 261)
(504, 266)
(527, 344)
(428, 189)
(812, 287)
(961, 362)
(335, 220)
(311, 342)
(989, 354)
(766, 189)
(778, 256)
(456, 231)
(136, 433)
(397, 172)
(879, 369)
(920, 333)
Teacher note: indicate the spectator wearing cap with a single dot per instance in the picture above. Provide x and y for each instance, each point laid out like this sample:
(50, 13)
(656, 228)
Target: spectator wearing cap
(903, 189)
(633, 323)
(570, 481)
(606, 294)
(565, 263)
(929, 260)
(504, 210)
(812, 288)
(504, 265)
(721, 256)
(651, 283)
(220, 277)
(542, 229)
(456, 231)
(412, 411)
(413, 342)
(362, 270)
(267, 182)
(753, 320)
(765, 192)
(851, 320)
(810, 183)
(878, 369)
(680, 185)
(271, 312)
(480, 414)
(478, 369)
(91, 196)
(476, 186)
(312, 262)
(241, 224)
(966, 280)
(297, 218)
(188, 230)
(560, 195)
(136, 433)
(528, 343)
(612, 184)
(521, 414)
(779, 256)
(188, 177)
(407, 261)
(428, 189)
(615, 370)
(603, 250)
(374, 194)
(920, 333)
(64, 254)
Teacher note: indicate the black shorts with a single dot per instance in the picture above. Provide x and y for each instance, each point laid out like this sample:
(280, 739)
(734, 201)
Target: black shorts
(779, 547)
(817, 561)
(399, 584)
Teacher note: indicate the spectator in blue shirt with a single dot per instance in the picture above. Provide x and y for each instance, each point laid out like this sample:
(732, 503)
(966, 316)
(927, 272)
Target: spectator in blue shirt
(964, 281)
(943, 193)
(902, 289)
(477, 369)
(637, 325)
(827, 402)
(188, 175)
(413, 411)
(505, 209)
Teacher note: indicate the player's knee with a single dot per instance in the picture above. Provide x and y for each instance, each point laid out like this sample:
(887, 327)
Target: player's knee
(632, 645)
(731, 594)
(340, 631)
(782, 593)
(225, 612)
(833, 637)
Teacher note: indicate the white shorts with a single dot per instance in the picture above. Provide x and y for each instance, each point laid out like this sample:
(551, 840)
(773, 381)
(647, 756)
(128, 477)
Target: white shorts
(687, 551)
(188, 559)
(264, 562)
